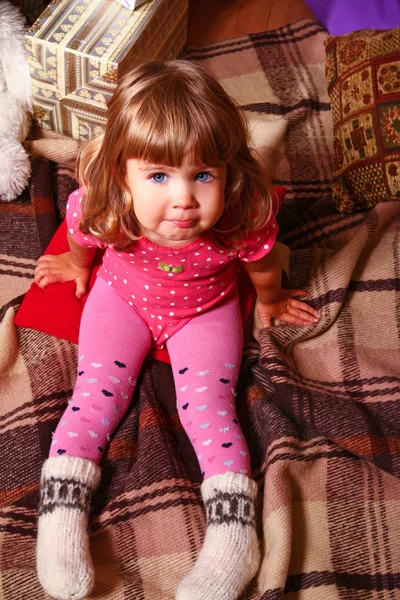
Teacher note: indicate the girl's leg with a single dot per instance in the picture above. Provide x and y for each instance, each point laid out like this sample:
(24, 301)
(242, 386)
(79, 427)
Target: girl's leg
(205, 357)
(113, 343)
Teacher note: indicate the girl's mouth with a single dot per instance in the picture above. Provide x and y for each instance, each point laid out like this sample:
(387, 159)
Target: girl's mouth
(182, 224)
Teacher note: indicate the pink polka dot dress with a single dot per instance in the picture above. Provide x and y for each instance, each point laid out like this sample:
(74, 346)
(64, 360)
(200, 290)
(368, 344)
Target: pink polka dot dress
(169, 286)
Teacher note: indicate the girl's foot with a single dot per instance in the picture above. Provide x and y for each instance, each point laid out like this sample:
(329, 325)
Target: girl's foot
(230, 555)
(64, 566)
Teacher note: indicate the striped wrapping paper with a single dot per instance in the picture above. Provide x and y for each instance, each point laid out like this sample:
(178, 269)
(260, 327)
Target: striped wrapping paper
(319, 405)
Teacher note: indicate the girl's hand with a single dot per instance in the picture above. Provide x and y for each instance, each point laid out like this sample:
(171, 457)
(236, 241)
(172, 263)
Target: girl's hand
(61, 268)
(287, 309)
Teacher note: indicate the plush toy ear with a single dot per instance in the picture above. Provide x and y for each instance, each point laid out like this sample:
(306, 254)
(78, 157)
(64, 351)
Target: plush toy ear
(13, 57)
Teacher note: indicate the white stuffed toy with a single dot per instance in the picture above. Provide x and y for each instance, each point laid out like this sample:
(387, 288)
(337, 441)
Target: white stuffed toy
(15, 103)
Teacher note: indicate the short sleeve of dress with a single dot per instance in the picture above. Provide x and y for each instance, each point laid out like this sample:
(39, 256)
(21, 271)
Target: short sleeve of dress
(260, 242)
(73, 216)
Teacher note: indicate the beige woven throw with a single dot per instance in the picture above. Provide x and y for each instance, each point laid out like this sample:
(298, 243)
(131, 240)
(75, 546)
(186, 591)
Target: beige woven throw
(319, 406)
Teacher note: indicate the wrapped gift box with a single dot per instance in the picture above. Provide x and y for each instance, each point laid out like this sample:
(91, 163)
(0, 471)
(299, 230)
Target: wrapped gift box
(78, 49)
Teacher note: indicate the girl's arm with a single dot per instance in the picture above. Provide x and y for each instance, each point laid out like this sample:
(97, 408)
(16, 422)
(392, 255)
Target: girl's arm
(74, 265)
(273, 301)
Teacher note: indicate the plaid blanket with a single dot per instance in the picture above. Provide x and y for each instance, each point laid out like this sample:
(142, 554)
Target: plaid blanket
(319, 405)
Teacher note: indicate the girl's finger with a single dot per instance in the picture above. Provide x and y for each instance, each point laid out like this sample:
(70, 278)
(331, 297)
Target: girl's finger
(302, 306)
(266, 321)
(43, 283)
(80, 288)
(296, 320)
(288, 318)
(40, 272)
(46, 258)
(301, 315)
(265, 318)
(37, 278)
(41, 268)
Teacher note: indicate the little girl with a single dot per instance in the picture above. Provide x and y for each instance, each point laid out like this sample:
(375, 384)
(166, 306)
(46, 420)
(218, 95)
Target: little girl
(176, 199)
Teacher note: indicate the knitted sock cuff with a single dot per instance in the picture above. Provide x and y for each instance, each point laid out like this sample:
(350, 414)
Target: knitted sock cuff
(230, 499)
(68, 482)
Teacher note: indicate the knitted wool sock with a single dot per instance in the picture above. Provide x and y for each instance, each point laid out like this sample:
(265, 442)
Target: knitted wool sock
(230, 556)
(64, 566)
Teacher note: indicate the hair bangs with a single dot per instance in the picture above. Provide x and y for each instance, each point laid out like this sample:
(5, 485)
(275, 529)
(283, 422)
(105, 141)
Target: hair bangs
(186, 128)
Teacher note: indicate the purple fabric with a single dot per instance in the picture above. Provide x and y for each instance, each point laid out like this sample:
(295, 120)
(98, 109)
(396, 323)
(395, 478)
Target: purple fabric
(344, 16)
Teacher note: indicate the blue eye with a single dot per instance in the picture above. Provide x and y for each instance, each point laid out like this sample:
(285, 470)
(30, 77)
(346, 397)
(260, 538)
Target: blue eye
(203, 176)
(159, 177)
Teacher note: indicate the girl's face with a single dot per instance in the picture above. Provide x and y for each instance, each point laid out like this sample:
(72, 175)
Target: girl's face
(175, 205)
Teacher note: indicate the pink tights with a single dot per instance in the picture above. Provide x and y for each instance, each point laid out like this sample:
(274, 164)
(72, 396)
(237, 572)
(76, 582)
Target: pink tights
(205, 358)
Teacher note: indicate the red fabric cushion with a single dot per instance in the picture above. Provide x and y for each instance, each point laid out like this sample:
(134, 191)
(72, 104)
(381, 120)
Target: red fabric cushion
(57, 311)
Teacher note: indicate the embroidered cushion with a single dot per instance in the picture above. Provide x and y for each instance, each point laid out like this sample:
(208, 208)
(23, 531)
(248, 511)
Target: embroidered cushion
(363, 78)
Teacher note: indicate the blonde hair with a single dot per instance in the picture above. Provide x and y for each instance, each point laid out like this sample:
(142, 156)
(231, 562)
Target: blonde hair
(158, 113)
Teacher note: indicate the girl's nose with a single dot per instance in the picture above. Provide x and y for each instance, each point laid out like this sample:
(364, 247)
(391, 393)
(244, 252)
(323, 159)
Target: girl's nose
(184, 198)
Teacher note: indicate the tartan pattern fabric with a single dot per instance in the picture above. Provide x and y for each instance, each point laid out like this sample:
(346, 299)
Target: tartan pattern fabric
(319, 405)
(363, 77)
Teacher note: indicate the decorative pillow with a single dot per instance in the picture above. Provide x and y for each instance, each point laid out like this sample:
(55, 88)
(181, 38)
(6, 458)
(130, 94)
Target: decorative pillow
(344, 16)
(363, 78)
